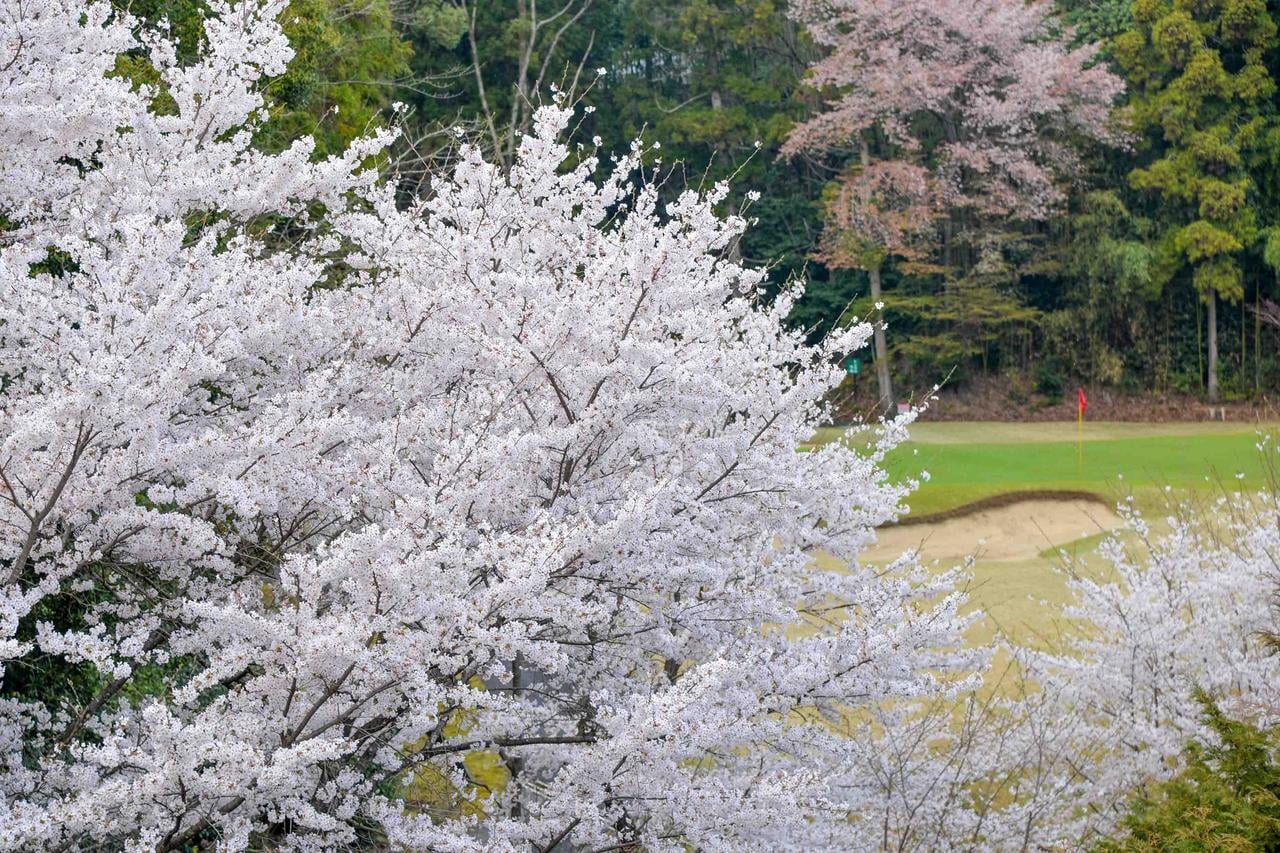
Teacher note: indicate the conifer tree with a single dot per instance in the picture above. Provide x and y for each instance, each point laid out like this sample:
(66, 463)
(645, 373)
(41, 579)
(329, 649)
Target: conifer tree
(1202, 105)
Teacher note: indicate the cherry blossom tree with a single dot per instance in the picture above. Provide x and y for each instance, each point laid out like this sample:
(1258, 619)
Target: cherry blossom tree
(1176, 614)
(477, 523)
(960, 114)
(1050, 753)
(466, 525)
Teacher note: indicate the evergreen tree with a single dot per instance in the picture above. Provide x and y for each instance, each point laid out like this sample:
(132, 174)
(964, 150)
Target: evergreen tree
(1227, 797)
(1202, 104)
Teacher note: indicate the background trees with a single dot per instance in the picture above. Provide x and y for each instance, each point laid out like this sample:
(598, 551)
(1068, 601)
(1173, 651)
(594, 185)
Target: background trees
(978, 286)
(964, 117)
(1202, 92)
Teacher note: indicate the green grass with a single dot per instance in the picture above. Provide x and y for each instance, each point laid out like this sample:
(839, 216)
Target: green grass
(968, 461)
(1064, 431)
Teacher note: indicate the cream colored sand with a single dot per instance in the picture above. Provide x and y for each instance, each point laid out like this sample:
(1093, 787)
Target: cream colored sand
(1019, 531)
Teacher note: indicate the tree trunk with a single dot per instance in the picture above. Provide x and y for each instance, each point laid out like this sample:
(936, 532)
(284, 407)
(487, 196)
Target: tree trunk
(881, 349)
(1257, 339)
(1213, 346)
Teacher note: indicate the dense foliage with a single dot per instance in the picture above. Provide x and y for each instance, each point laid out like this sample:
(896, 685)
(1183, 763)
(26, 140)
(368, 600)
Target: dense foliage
(1227, 798)
(1201, 96)
(1095, 282)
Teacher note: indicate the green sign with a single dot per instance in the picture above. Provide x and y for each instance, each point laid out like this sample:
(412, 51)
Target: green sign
(853, 366)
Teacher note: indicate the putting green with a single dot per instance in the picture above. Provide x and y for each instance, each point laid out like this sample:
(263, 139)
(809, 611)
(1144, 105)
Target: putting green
(969, 461)
(977, 432)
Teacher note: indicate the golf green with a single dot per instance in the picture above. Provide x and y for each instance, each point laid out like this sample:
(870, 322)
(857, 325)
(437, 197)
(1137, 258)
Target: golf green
(969, 461)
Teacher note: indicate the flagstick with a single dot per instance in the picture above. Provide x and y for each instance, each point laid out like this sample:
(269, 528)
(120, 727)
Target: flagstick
(1079, 438)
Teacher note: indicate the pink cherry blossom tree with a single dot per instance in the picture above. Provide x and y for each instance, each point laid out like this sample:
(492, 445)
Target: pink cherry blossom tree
(326, 503)
(477, 523)
(960, 114)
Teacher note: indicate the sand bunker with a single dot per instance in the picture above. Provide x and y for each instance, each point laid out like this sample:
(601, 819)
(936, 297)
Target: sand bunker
(1018, 531)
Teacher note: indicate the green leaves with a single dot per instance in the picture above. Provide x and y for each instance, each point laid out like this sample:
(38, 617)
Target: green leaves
(1221, 276)
(1202, 241)
(1227, 799)
(440, 24)
(1221, 200)
(1201, 98)
(1177, 38)
(1244, 22)
(1271, 249)
(347, 56)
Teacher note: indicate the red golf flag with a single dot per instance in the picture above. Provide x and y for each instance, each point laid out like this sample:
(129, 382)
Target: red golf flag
(1084, 404)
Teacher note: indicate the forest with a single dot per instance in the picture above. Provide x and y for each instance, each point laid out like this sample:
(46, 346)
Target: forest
(1119, 230)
